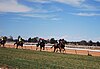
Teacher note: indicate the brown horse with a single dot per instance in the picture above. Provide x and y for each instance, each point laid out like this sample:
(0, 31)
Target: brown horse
(58, 47)
(41, 44)
(19, 43)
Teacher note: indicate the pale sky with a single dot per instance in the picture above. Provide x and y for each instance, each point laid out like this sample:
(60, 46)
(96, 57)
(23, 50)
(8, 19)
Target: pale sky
(73, 20)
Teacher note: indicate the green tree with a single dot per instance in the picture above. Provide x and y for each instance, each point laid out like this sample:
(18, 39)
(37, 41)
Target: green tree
(83, 42)
(10, 38)
(52, 41)
(35, 39)
(30, 40)
(98, 43)
(90, 43)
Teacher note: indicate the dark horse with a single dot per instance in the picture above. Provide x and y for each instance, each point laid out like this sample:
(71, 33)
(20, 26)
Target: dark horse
(2, 42)
(41, 44)
(58, 46)
(19, 43)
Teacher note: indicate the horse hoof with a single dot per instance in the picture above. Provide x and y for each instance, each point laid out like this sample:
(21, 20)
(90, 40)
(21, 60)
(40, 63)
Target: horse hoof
(89, 55)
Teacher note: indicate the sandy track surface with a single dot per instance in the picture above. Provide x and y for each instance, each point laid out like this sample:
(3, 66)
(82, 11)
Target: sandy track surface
(67, 51)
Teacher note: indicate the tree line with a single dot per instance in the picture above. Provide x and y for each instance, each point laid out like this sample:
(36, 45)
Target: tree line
(53, 40)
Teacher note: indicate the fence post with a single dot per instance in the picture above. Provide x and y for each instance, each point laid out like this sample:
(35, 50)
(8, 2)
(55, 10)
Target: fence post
(76, 51)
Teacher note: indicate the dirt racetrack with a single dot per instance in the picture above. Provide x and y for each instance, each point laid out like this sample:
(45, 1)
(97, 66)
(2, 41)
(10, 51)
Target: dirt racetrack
(67, 51)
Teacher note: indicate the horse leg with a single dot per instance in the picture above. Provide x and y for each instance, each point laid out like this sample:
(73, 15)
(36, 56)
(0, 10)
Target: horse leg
(54, 49)
(17, 47)
(36, 47)
(3, 45)
(0, 44)
(22, 47)
(64, 49)
(57, 50)
(43, 47)
(40, 48)
(60, 49)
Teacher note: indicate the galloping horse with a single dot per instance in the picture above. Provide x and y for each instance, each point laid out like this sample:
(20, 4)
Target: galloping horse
(56, 46)
(41, 44)
(62, 46)
(19, 43)
(3, 42)
(59, 46)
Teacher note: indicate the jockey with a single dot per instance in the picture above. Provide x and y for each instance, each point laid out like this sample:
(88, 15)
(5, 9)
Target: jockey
(62, 42)
(20, 39)
(2, 38)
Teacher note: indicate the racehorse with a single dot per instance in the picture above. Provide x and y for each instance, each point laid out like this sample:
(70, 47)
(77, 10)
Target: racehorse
(41, 44)
(19, 43)
(58, 46)
(2, 42)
